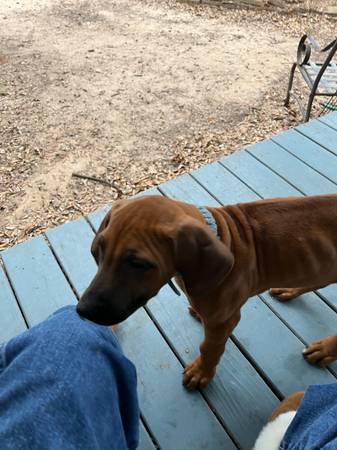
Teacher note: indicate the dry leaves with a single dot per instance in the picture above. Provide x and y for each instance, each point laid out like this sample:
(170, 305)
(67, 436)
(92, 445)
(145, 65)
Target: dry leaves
(18, 160)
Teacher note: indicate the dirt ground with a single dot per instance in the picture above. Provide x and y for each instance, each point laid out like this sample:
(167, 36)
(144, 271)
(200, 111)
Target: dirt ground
(133, 92)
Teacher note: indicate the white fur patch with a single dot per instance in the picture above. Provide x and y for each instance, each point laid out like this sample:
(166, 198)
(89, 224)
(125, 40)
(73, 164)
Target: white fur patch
(272, 434)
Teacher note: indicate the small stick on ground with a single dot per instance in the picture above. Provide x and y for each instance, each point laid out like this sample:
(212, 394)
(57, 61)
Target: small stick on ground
(99, 180)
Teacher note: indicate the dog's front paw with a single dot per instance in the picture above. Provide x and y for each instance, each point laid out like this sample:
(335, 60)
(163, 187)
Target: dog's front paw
(322, 352)
(195, 375)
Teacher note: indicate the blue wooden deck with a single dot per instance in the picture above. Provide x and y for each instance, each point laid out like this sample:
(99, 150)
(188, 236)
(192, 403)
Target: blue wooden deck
(263, 361)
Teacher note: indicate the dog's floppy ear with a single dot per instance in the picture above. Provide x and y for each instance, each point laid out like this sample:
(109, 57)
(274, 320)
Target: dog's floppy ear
(200, 257)
(95, 242)
(105, 222)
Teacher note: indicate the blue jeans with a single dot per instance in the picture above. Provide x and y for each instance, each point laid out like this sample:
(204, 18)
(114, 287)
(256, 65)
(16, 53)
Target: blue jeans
(314, 426)
(65, 384)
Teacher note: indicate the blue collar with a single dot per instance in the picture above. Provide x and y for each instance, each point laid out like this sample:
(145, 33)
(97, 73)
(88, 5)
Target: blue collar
(209, 219)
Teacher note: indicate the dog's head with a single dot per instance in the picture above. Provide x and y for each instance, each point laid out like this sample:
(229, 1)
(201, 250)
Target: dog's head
(140, 245)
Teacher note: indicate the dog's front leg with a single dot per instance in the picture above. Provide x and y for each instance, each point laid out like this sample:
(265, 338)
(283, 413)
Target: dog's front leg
(201, 371)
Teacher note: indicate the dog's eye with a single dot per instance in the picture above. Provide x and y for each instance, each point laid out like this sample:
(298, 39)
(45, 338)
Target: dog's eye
(97, 248)
(140, 264)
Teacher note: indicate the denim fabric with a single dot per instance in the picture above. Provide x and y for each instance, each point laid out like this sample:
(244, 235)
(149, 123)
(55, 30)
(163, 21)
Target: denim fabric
(65, 384)
(315, 425)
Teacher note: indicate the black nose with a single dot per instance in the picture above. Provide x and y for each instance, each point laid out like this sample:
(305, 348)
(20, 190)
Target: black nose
(94, 315)
(100, 312)
(84, 310)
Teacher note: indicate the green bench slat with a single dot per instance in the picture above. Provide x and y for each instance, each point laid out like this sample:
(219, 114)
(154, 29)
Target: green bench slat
(299, 174)
(320, 133)
(11, 320)
(68, 242)
(145, 346)
(238, 394)
(39, 283)
(309, 152)
(330, 120)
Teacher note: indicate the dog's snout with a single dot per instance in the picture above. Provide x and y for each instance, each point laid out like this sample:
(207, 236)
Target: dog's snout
(91, 306)
(97, 314)
(102, 309)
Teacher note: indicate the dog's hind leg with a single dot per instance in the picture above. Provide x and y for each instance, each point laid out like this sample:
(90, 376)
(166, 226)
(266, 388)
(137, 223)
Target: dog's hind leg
(285, 294)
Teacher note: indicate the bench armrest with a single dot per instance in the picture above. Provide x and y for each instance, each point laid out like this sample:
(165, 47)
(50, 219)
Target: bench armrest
(308, 42)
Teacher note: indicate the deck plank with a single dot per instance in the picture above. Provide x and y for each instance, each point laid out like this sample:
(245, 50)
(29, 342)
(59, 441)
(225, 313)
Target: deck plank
(309, 152)
(211, 177)
(11, 320)
(65, 241)
(320, 133)
(276, 350)
(238, 394)
(97, 216)
(308, 315)
(258, 177)
(160, 364)
(329, 294)
(145, 442)
(39, 283)
(41, 286)
(173, 415)
(330, 120)
(296, 172)
(188, 189)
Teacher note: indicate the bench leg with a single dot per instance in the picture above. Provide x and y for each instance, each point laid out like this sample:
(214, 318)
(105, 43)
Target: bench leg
(290, 84)
(310, 101)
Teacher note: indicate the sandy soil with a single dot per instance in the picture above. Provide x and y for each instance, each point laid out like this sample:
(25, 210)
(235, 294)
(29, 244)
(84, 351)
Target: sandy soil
(107, 88)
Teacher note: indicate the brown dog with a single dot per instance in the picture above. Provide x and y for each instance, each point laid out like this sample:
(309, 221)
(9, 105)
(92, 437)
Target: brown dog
(142, 243)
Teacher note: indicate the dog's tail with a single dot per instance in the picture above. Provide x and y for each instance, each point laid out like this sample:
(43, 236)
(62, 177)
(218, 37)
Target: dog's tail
(272, 434)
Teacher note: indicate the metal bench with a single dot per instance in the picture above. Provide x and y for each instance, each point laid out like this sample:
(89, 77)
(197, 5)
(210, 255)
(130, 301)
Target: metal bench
(320, 77)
